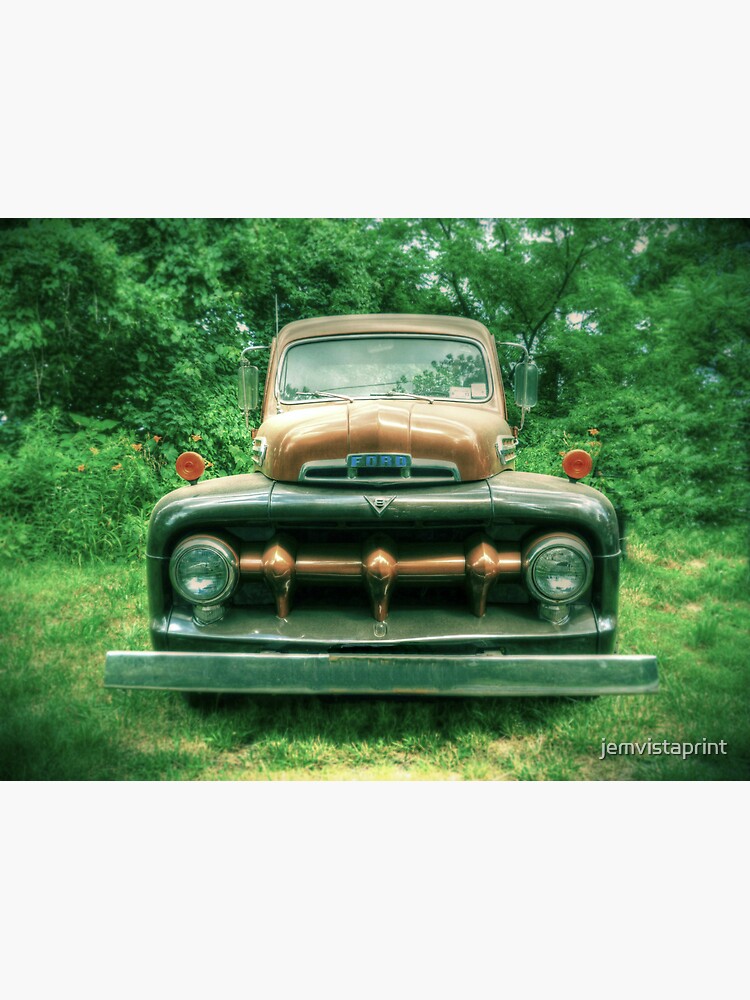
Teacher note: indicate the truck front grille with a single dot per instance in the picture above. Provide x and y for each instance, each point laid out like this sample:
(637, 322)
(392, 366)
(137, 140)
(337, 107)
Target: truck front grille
(379, 566)
(421, 472)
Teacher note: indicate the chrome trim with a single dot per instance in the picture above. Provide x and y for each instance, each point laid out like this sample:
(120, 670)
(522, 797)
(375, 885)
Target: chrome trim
(558, 614)
(379, 504)
(381, 674)
(505, 446)
(255, 347)
(208, 614)
(556, 540)
(308, 469)
(228, 554)
(259, 448)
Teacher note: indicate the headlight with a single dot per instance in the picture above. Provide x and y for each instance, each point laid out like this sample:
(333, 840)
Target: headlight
(204, 570)
(558, 568)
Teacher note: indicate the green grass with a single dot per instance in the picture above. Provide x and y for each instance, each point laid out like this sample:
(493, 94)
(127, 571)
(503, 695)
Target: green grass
(684, 597)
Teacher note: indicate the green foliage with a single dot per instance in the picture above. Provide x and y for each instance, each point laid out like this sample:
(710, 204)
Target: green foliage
(640, 330)
(77, 488)
(461, 370)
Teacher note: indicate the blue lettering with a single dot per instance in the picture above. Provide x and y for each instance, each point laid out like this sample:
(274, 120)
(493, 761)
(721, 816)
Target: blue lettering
(378, 461)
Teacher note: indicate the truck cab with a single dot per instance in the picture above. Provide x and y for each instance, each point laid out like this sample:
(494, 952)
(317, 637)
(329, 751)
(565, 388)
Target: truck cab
(384, 542)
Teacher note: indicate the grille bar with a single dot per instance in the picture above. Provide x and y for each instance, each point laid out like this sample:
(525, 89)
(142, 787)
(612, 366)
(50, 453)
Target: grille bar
(382, 565)
(420, 471)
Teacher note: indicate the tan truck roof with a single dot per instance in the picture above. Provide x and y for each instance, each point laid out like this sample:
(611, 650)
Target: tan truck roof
(450, 326)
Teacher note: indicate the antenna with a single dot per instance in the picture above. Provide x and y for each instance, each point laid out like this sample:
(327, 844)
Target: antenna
(276, 300)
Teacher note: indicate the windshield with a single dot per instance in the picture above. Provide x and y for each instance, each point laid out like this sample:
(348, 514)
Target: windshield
(389, 364)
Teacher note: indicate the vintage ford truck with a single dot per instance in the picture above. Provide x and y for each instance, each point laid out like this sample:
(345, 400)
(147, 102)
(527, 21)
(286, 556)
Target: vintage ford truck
(384, 543)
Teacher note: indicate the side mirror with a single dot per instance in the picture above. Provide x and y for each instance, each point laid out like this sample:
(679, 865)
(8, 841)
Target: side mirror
(526, 384)
(248, 388)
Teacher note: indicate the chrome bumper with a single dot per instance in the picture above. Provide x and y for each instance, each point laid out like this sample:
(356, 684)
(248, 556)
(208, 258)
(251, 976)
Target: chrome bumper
(381, 674)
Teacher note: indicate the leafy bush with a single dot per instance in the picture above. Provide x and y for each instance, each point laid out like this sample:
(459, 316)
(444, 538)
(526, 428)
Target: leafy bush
(81, 491)
(133, 329)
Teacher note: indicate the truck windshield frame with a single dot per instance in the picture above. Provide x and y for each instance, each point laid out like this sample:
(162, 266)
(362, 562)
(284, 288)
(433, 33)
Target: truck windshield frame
(325, 354)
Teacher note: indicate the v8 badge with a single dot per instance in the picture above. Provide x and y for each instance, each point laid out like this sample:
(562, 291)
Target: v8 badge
(379, 504)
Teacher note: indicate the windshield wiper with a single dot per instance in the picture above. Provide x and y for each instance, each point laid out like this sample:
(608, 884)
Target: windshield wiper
(404, 395)
(326, 395)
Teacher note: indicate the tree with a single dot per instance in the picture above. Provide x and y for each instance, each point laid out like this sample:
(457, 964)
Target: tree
(639, 327)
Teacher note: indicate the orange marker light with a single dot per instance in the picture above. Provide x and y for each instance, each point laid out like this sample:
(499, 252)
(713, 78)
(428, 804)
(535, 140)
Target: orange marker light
(577, 464)
(190, 466)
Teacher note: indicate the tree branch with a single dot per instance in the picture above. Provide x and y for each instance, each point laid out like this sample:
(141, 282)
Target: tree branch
(568, 274)
(452, 278)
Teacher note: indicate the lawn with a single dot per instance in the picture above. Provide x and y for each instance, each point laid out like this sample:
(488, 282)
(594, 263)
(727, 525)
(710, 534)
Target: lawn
(684, 597)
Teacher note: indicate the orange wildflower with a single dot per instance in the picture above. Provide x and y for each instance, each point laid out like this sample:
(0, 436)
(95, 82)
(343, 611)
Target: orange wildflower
(81, 468)
(195, 437)
(116, 468)
(157, 438)
(137, 447)
(593, 431)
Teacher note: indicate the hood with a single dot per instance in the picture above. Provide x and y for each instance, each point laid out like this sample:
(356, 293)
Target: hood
(312, 443)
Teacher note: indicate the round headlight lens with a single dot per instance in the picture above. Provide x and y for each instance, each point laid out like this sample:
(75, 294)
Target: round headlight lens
(204, 570)
(558, 568)
(559, 573)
